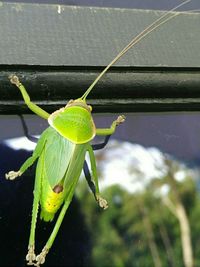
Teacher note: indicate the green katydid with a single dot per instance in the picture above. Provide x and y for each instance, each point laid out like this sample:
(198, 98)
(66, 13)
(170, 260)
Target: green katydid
(61, 152)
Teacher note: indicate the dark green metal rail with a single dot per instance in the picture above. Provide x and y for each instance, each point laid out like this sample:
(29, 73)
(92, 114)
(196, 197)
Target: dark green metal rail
(57, 51)
(124, 89)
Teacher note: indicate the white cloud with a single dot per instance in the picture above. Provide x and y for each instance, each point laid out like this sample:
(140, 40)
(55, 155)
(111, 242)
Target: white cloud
(20, 143)
(131, 166)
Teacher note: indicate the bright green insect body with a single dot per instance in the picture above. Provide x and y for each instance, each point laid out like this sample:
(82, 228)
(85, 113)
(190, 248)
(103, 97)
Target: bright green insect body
(55, 170)
(61, 152)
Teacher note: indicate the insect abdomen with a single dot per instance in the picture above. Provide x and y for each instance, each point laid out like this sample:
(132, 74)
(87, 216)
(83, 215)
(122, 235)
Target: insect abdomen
(51, 204)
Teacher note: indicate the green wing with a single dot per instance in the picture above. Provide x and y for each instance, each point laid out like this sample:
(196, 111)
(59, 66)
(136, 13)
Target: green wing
(58, 154)
(75, 167)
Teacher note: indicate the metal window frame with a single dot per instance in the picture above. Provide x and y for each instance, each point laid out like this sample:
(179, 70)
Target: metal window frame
(162, 80)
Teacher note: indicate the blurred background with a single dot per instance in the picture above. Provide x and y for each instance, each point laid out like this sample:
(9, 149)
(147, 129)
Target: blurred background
(149, 173)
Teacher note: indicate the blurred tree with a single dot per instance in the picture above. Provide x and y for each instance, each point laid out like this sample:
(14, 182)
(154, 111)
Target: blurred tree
(176, 206)
(138, 230)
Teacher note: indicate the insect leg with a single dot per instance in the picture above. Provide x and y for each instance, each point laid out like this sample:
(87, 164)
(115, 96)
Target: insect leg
(85, 166)
(111, 130)
(36, 109)
(94, 186)
(101, 145)
(89, 178)
(11, 175)
(26, 133)
(31, 257)
(102, 202)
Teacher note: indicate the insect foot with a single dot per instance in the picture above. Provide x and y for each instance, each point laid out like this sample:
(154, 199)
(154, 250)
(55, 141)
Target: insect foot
(120, 119)
(14, 79)
(30, 257)
(40, 259)
(12, 175)
(102, 202)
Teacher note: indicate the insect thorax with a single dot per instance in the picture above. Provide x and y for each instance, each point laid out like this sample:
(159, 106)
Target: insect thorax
(74, 123)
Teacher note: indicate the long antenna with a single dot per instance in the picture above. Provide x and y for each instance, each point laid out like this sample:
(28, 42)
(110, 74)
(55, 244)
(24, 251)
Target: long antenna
(157, 23)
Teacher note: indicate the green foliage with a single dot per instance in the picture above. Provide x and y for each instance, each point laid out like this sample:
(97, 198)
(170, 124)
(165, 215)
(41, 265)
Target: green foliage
(119, 236)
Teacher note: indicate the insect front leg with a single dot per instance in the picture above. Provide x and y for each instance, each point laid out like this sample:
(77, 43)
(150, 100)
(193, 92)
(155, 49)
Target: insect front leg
(36, 109)
(101, 201)
(111, 130)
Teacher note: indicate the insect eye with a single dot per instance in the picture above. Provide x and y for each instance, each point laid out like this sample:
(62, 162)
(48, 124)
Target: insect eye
(90, 107)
